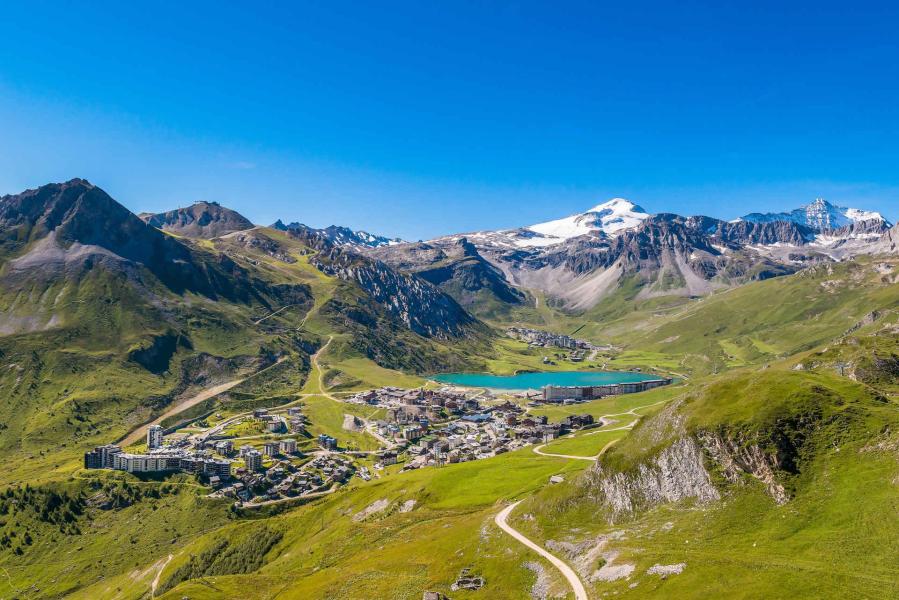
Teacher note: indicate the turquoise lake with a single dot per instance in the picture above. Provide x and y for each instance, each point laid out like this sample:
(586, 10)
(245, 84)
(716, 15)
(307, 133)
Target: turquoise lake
(534, 381)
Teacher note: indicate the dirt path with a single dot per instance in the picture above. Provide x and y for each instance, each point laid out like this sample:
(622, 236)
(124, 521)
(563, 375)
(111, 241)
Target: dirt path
(632, 412)
(573, 580)
(272, 314)
(310, 496)
(367, 426)
(159, 571)
(538, 450)
(138, 434)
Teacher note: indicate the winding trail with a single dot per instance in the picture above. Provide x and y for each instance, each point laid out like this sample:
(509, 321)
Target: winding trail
(367, 426)
(573, 580)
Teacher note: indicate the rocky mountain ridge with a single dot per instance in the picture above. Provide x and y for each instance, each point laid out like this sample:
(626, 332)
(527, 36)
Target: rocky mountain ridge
(343, 236)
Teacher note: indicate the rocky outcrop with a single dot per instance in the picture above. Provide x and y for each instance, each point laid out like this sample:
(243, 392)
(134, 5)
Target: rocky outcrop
(457, 268)
(675, 474)
(735, 459)
(419, 305)
(888, 242)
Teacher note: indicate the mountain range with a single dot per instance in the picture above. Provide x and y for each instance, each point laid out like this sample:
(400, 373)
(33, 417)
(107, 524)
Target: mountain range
(579, 261)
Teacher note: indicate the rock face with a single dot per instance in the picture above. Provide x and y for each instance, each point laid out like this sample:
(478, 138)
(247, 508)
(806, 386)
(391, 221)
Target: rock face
(736, 459)
(419, 305)
(457, 268)
(888, 243)
(676, 474)
(821, 216)
(200, 220)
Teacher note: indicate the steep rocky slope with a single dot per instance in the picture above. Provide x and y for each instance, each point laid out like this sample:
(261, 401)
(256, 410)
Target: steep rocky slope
(748, 485)
(457, 268)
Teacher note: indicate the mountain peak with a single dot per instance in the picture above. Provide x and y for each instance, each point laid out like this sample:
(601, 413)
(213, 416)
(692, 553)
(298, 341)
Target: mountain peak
(616, 205)
(607, 218)
(819, 215)
(202, 219)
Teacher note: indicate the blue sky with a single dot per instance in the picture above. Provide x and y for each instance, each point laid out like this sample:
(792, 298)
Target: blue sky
(422, 118)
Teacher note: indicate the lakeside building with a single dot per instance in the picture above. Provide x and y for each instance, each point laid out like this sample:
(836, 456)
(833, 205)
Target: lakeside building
(558, 393)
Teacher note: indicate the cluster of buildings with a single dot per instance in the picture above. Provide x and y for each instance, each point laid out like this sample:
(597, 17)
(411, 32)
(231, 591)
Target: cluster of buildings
(493, 431)
(285, 480)
(547, 339)
(411, 406)
(556, 394)
(111, 456)
(272, 423)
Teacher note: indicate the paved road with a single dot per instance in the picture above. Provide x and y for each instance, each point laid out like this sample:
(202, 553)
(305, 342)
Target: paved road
(538, 450)
(579, 592)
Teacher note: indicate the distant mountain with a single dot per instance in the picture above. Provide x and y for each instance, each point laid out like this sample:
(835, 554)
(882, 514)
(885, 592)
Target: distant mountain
(608, 218)
(200, 220)
(579, 260)
(342, 236)
(821, 216)
(457, 268)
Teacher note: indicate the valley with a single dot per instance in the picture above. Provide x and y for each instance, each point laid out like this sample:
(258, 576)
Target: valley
(200, 407)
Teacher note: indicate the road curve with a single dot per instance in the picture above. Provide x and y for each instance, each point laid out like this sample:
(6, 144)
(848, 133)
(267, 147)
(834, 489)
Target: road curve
(579, 592)
(537, 450)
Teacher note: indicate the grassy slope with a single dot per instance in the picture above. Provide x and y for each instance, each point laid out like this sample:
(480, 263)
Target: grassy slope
(830, 540)
(390, 554)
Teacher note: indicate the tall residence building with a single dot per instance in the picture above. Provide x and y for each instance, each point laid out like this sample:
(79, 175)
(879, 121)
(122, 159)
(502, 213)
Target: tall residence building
(253, 460)
(154, 437)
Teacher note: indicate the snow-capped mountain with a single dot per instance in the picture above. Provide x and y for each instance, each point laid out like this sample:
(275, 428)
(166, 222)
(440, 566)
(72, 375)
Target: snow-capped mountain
(343, 236)
(608, 218)
(820, 216)
(605, 220)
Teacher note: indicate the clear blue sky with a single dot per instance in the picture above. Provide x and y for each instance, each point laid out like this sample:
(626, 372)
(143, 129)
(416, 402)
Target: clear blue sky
(422, 118)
